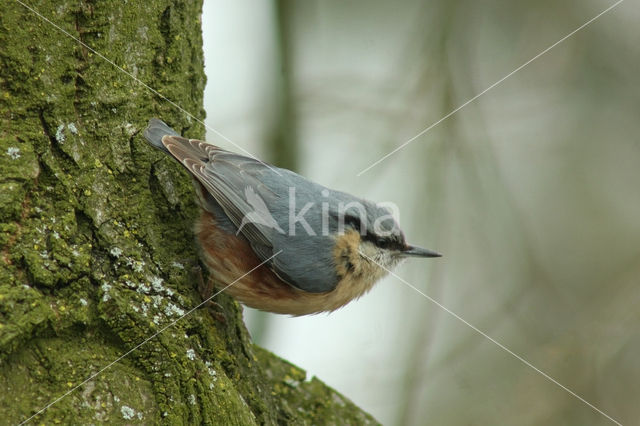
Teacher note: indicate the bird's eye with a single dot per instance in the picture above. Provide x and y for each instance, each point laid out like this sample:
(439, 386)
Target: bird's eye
(383, 243)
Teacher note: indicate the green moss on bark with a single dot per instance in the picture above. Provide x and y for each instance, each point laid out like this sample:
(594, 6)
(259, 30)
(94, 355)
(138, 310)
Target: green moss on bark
(96, 246)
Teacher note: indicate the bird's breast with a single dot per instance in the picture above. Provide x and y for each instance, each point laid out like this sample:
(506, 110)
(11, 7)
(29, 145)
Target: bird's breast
(230, 258)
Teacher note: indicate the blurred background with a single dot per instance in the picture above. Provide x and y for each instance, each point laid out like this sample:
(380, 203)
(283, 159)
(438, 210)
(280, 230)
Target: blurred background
(532, 192)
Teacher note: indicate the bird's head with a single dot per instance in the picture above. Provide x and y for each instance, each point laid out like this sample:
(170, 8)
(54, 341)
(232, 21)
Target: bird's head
(377, 237)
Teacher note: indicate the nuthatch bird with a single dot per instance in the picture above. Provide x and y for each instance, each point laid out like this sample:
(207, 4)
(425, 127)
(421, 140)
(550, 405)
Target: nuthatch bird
(318, 258)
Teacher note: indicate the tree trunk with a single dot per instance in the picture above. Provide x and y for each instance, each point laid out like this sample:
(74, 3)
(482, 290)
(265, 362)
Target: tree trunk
(96, 244)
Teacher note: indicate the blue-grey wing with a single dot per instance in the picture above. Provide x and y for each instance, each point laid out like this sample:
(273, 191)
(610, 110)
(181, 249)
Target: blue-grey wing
(303, 261)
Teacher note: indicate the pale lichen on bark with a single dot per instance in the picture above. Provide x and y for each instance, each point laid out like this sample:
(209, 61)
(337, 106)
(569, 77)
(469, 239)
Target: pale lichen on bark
(96, 247)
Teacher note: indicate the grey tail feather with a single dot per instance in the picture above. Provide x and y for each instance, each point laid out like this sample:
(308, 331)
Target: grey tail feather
(156, 130)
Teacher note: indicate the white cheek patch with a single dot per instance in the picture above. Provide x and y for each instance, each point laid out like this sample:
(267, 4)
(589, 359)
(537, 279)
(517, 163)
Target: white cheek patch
(384, 258)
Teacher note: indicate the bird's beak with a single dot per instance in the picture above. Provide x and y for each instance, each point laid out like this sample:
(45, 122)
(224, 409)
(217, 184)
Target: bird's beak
(414, 251)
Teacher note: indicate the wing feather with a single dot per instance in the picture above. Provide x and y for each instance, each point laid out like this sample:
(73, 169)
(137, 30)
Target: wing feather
(203, 161)
(225, 176)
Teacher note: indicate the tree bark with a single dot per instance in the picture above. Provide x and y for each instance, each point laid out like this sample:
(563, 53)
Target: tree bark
(96, 243)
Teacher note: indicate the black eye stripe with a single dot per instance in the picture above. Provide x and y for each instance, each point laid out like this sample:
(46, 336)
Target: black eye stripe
(353, 221)
(393, 241)
(383, 243)
(386, 242)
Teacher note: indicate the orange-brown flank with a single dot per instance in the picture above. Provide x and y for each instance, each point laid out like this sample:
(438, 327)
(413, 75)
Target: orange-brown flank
(229, 257)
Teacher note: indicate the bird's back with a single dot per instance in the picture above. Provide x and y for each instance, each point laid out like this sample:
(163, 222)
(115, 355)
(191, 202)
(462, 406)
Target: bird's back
(235, 184)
